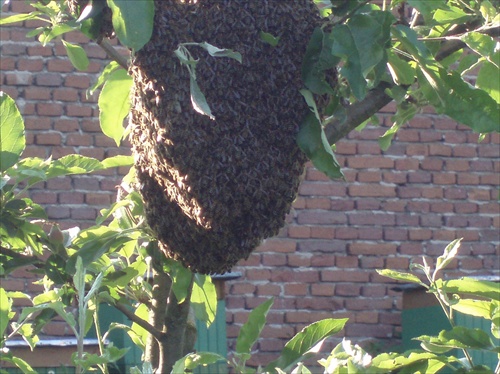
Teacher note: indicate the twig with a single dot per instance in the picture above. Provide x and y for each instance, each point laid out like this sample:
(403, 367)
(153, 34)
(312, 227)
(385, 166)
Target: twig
(144, 324)
(376, 99)
(113, 53)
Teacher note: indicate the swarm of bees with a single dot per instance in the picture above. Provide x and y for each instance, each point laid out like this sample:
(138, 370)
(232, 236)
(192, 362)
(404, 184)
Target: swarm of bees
(215, 188)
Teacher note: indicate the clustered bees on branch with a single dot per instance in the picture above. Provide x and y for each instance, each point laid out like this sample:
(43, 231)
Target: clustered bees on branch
(214, 189)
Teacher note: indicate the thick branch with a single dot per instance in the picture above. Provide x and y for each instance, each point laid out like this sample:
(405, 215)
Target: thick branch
(376, 99)
(27, 259)
(158, 334)
(172, 348)
(159, 301)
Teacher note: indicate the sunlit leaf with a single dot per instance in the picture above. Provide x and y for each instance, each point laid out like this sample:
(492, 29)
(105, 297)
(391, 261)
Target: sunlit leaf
(114, 104)
(306, 339)
(250, 331)
(192, 360)
(133, 21)
(77, 55)
(313, 142)
(204, 298)
(12, 140)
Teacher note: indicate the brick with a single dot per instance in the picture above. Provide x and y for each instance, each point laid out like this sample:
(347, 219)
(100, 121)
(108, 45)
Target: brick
(397, 263)
(58, 212)
(317, 203)
(346, 233)
(347, 289)
(444, 178)
(31, 65)
(364, 218)
(71, 198)
(321, 260)
(321, 232)
(371, 262)
(318, 303)
(77, 110)
(368, 304)
(277, 245)
(268, 290)
(48, 139)
(371, 190)
(37, 93)
(347, 261)
(19, 79)
(343, 276)
(60, 65)
(296, 289)
(319, 245)
(368, 317)
(77, 81)
(361, 248)
(316, 217)
(48, 109)
(322, 189)
(65, 94)
(82, 213)
(464, 150)
(369, 176)
(291, 275)
(323, 289)
(49, 79)
(79, 139)
(39, 123)
(377, 162)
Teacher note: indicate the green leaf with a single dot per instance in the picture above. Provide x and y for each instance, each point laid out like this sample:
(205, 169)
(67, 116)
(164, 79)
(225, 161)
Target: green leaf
(192, 360)
(305, 340)
(103, 77)
(487, 79)
(460, 337)
(400, 276)
(449, 254)
(91, 19)
(204, 298)
(114, 103)
(450, 15)
(19, 18)
(470, 106)
(22, 365)
(5, 312)
(133, 21)
(362, 44)
(250, 331)
(117, 161)
(344, 46)
(12, 140)
(72, 164)
(427, 7)
(218, 52)
(402, 72)
(53, 32)
(470, 286)
(313, 142)
(77, 55)
(138, 334)
(198, 99)
(477, 308)
(483, 45)
(317, 59)
(404, 113)
(181, 280)
(269, 38)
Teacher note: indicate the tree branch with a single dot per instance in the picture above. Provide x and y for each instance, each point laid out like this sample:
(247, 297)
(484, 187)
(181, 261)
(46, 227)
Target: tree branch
(376, 99)
(158, 334)
(113, 53)
(27, 259)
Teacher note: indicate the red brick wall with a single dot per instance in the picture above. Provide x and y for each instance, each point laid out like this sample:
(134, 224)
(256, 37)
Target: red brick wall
(433, 185)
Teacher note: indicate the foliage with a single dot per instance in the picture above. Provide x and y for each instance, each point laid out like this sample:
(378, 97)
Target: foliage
(483, 301)
(363, 56)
